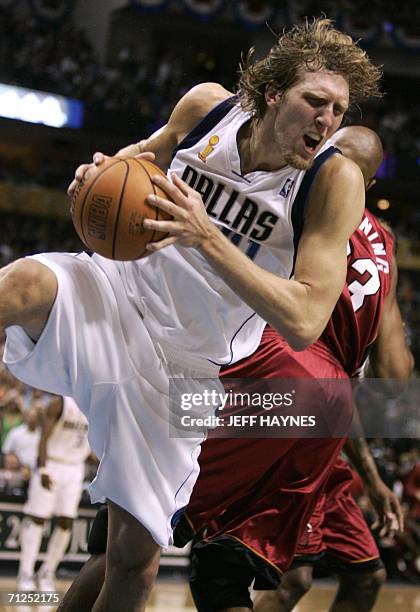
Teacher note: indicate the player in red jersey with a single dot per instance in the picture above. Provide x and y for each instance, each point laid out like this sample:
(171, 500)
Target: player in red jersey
(263, 532)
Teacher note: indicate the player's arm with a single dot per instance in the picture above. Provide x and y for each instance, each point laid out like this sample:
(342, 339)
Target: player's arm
(390, 357)
(52, 413)
(386, 504)
(300, 308)
(189, 111)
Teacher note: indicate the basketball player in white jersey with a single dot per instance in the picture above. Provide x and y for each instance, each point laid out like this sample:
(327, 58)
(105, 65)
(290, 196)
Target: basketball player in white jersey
(55, 489)
(112, 334)
(20, 447)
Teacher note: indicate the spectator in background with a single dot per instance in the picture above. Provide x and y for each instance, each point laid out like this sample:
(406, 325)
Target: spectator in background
(11, 413)
(20, 447)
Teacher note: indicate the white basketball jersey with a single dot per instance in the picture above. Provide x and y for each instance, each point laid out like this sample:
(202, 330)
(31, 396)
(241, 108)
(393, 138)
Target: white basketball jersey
(184, 302)
(69, 442)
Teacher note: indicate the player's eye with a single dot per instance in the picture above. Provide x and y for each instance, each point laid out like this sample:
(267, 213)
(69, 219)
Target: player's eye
(315, 102)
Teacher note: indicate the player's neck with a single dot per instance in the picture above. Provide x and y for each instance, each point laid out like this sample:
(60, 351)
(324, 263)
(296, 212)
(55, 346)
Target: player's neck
(255, 144)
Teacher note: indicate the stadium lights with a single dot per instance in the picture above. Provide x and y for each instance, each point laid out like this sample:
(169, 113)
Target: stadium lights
(39, 107)
(383, 204)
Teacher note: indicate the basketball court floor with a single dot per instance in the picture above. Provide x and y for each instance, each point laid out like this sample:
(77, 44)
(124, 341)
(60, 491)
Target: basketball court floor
(174, 596)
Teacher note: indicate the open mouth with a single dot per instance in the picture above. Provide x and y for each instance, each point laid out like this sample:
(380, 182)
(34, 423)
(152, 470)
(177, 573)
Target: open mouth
(311, 143)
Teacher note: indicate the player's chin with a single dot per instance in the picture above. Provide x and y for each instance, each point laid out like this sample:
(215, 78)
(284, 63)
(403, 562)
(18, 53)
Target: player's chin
(298, 161)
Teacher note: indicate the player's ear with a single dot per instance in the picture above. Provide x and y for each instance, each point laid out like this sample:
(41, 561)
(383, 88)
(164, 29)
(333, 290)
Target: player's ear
(272, 94)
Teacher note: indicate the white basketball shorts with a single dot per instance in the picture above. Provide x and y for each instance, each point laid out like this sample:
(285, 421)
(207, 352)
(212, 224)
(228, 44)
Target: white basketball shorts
(96, 349)
(64, 496)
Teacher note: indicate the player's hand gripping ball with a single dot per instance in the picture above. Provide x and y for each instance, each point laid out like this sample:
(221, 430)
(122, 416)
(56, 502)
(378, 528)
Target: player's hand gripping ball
(108, 208)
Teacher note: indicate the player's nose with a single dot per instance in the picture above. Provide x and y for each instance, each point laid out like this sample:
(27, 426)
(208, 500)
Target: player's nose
(325, 119)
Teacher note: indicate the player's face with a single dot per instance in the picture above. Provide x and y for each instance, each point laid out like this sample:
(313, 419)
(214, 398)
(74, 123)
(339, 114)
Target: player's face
(307, 115)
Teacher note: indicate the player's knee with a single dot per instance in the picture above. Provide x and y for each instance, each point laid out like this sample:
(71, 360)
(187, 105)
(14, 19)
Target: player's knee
(31, 287)
(297, 581)
(36, 519)
(135, 569)
(373, 581)
(134, 556)
(64, 522)
(364, 585)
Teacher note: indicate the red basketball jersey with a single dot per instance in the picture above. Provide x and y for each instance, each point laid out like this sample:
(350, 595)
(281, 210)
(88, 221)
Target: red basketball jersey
(355, 321)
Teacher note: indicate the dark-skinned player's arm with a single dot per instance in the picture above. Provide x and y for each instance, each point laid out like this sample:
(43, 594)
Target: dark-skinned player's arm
(52, 413)
(159, 147)
(298, 309)
(387, 507)
(390, 357)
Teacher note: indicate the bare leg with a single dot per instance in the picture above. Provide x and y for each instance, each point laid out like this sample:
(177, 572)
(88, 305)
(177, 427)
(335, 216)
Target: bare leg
(86, 587)
(293, 586)
(132, 562)
(57, 547)
(30, 542)
(27, 294)
(358, 592)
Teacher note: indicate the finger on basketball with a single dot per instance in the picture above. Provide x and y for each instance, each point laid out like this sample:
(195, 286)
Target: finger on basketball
(153, 247)
(99, 158)
(169, 188)
(166, 205)
(182, 185)
(168, 227)
(80, 171)
(146, 155)
(72, 187)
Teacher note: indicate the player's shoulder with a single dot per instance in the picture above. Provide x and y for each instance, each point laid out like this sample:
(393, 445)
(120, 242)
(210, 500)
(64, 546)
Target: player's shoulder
(338, 178)
(202, 98)
(194, 106)
(340, 168)
(337, 195)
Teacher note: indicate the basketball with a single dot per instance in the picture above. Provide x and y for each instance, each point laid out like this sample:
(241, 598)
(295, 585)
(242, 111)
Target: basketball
(109, 207)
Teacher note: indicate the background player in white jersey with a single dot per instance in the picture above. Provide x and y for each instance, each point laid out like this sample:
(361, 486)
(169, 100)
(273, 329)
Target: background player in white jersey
(21, 444)
(54, 490)
(111, 334)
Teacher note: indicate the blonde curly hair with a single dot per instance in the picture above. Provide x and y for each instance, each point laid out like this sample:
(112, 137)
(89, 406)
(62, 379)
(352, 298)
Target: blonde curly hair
(313, 46)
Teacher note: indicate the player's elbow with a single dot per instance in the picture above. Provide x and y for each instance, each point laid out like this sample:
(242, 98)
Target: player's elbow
(300, 335)
(302, 342)
(394, 372)
(406, 367)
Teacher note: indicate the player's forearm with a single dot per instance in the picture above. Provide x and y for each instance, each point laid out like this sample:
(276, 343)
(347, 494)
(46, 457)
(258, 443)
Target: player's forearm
(358, 452)
(130, 150)
(42, 453)
(389, 371)
(287, 305)
(383, 364)
(42, 447)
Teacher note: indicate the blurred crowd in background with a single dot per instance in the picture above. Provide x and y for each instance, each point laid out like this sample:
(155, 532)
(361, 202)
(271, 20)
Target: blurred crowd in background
(131, 94)
(134, 88)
